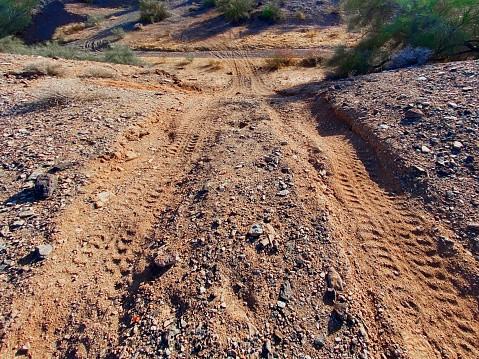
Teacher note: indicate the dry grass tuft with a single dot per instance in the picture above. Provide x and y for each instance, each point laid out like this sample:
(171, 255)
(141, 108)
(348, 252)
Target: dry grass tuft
(280, 58)
(45, 68)
(64, 92)
(215, 64)
(98, 71)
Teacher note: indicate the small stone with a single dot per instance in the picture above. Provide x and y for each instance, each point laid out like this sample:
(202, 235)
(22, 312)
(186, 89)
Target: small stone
(166, 260)
(283, 193)
(285, 292)
(130, 155)
(278, 335)
(267, 346)
(61, 166)
(467, 89)
(334, 279)
(457, 145)
(320, 340)
(256, 230)
(425, 149)
(452, 104)
(26, 214)
(18, 223)
(414, 113)
(281, 304)
(45, 185)
(43, 251)
(34, 175)
(421, 78)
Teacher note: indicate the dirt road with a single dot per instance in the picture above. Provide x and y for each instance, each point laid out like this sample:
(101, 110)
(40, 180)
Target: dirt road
(190, 191)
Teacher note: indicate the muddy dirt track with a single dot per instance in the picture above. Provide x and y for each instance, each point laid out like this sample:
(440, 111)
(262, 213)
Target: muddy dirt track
(191, 190)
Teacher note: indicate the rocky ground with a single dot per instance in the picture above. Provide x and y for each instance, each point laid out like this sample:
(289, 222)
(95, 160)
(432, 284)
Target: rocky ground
(241, 219)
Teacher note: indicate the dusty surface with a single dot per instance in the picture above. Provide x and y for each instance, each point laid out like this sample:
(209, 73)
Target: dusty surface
(208, 208)
(151, 252)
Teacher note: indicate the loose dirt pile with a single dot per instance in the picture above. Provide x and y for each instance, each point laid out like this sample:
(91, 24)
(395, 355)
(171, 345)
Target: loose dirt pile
(236, 222)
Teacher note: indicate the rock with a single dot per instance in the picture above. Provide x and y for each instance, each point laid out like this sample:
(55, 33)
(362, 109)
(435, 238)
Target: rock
(334, 279)
(26, 214)
(278, 335)
(5, 231)
(425, 149)
(166, 260)
(18, 223)
(34, 175)
(43, 251)
(457, 145)
(320, 340)
(281, 304)
(414, 113)
(267, 346)
(285, 292)
(256, 230)
(283, 193)
(45, 185)
(130, 155)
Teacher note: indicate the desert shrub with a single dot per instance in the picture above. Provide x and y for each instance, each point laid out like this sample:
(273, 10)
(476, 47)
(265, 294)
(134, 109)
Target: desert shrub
(209, 3)
(215, 64)
(396, 30)
(235, 10)
(153, 10)
(94, 20)
(15, 15)
(58, 93)
(312, 59)
(13, 45)
(45, 67)
(56, 50)
(72, 28)
(118, 33)
(98, 71)
(299, 15)
(272, 11)
(121, 55)
(349, 62)
(280, 58)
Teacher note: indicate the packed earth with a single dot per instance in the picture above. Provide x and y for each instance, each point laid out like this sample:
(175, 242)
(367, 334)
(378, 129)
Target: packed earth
(214, 209)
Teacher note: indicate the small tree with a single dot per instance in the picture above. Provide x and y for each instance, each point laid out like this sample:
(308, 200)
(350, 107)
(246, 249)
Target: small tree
(235, 10)
(272, 11)
(153, 10)
(15, 15)
(445, 27)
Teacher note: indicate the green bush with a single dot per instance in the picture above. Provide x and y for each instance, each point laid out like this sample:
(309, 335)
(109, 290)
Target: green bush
(121, 55)
(153, 10)
(209, 3)
(399, 31)
(94, 20)
(272, 11)
(118, 33)
(235, 10)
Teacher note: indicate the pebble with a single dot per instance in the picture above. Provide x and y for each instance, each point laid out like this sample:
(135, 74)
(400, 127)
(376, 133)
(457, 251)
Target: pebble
(334, 279)
(285, 292)
(18, 223)
(256, 230)
(320, 340)
(25, 214)
(414, 113)
(45, 185)
(166, 260)
(34, 175)
(457, 145)
(283, 193)
(43, 251)
(281, 304)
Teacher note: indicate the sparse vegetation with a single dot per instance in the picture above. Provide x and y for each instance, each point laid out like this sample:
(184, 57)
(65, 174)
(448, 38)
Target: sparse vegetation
(299, 15)
(73, 28)
(215, 64)
(118, 33)
(235, 10)
(209, 3)
(272, 11)
(122, 55)
(280, 58)
(397, 29)
(94, 20)
(311, 60)
(13, 45)
(45, 67)
(153, 10)
(99, 72)
(63, 92)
